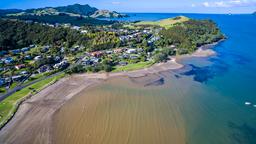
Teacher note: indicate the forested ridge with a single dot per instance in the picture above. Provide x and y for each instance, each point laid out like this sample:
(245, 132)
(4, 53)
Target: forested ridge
(16, 34)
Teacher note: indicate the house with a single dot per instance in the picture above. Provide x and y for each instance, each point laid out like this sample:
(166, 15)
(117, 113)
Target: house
(131, 51)
(25, 49)
(87, 62)
(84, 31)
(14, 52)
(29, 21)
(173, 46)
(140, 50)
(28, 57)
(95, 60)
(67, 25)
(7, 80)
(73, 49)
(57, 59)
(3, 52)
(20, 66)
(109, 52)
(75, 28)
(133, 57)
(125, 56)
(122, 63)
(62, 65)
(24, 73)
(17, 78)
(2, 82)
(62, 49)
(8, 60)
(123, 38)
(96, 54)
(56, 24)
(32, 46)
(37, 58)
(44, 68)
(50, 25)
(77, 46)
(81, 48)
(119, 50)
(45, 49)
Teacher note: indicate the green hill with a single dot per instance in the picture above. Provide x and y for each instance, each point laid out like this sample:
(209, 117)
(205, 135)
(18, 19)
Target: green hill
(166, 23)
(85, 10)
(74, 14)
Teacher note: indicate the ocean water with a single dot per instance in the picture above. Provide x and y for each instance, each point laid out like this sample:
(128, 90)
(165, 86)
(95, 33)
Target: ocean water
(202, 103)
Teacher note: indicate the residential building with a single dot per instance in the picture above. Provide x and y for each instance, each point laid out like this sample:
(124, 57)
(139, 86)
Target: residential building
(20, 66)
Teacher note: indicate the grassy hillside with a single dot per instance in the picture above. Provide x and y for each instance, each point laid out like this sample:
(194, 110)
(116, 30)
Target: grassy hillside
(166, 23)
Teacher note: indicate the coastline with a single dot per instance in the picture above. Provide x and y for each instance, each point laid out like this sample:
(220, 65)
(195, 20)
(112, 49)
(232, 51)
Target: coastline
(35, 114)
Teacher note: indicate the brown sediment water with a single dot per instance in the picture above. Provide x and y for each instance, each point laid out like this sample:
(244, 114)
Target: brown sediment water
(122, 111)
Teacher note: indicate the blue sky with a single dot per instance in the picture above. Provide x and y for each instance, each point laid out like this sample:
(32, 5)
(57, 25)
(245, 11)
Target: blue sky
(168, 6)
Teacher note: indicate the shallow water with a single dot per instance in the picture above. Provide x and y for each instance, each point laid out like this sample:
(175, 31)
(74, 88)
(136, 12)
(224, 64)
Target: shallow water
(201, 103)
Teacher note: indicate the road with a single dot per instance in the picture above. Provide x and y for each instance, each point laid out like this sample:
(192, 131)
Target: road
(21, 86)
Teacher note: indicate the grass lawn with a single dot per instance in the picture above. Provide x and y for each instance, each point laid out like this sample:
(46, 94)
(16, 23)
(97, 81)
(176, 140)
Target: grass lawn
(10, 104)
(166, 23)
(2, 90)
(131, 67)
(14, 84)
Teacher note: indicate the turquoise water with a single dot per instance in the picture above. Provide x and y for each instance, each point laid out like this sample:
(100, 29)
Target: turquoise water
(233, 70)
(226, 81)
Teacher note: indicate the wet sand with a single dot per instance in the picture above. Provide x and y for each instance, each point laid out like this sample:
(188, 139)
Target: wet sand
(121, 111)
(33, 122)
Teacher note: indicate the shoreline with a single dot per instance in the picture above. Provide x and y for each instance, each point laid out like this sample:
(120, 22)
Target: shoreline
(35, 114)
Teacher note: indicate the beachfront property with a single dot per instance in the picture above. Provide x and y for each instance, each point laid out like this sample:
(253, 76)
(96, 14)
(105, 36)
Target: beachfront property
(20, 66)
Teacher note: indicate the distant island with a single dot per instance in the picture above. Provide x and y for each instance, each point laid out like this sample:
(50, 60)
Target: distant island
(74, 14)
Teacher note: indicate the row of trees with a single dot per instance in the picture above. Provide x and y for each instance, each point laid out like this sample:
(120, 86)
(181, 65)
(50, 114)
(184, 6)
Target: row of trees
(189, 35)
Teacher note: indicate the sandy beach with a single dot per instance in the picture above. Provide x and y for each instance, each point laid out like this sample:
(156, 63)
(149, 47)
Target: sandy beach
(33, 121)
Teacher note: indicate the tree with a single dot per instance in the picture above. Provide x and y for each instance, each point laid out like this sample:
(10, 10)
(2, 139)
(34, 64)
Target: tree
(160, 57)
(107, 68)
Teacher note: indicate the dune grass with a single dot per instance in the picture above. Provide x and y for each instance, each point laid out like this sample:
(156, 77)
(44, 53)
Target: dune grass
(131, 67)
(9, 105)
(166, 23)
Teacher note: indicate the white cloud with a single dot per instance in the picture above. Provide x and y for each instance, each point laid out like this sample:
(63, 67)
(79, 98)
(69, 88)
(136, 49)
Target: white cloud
(230, 3)
(206, 4)
(116, 3)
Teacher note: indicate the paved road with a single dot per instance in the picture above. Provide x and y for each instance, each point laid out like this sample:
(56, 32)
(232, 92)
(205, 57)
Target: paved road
(19, 87)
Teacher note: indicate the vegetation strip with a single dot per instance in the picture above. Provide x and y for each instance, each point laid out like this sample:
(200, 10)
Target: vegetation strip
(9, 106)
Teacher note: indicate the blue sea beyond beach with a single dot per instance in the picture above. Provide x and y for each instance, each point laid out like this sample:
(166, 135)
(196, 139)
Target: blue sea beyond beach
(227, 82)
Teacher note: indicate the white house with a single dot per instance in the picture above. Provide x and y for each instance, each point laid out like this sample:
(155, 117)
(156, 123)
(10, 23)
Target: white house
(131, 51)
